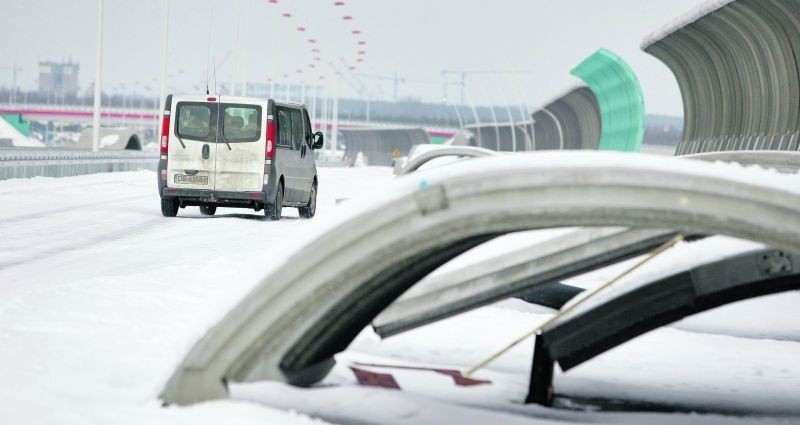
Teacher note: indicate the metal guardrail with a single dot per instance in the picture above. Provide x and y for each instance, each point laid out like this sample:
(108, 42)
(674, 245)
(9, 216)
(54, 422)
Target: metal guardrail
(25, 163)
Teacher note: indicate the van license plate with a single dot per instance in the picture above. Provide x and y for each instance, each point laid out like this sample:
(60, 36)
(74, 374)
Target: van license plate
(184, 179)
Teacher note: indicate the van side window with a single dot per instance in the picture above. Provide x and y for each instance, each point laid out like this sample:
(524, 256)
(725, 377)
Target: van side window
(309, 130)
(297, 128)
(284, 128)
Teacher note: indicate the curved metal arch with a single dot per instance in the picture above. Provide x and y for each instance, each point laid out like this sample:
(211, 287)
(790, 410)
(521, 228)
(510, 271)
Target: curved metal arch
(460, 151)
(620, 98)
(501, 136)
(378, 144)
(574, 117)
(677, 64)
(312, 306)
(765, 70)
(577, 338)
(784, 26)
(710, 81)
(739, 50)
(583, 101)
(547, 130)
(738, 71)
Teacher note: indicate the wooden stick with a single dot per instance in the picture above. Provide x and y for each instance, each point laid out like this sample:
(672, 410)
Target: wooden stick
(538, 330)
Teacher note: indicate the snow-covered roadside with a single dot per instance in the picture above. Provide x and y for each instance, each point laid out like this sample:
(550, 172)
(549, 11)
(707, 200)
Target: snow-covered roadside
(100, 296)
(732, 380)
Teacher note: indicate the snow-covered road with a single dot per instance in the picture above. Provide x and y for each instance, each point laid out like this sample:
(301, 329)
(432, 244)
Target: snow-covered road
(101, 297)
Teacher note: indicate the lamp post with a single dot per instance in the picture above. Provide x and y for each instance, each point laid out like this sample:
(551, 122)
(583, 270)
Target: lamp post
(164, 52)
(97, 79)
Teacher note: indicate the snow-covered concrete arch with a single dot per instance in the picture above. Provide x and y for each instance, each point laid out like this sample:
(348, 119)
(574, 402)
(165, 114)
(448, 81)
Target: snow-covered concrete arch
(312, 306)
(737, 66)
(542, 263)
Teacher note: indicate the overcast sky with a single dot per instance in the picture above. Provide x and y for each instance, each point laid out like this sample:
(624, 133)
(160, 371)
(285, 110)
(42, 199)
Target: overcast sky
(541, 40)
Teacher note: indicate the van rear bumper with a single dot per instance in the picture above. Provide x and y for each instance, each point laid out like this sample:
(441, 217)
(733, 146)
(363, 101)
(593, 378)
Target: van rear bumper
(194, 197)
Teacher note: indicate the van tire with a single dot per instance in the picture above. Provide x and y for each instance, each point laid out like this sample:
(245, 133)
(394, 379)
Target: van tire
(208, 209)
(169, 207)
(310, 209)
(273, 210)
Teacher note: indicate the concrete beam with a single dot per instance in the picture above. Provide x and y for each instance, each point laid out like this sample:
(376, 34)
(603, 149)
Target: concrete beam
(313, 305)
(458, 151)
(623, 315)
(516, 273)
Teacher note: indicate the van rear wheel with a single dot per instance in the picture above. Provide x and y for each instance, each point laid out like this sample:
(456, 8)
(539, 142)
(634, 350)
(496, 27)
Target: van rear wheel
(208, 209)
(169, 207)
(310, 209)
(273, 209)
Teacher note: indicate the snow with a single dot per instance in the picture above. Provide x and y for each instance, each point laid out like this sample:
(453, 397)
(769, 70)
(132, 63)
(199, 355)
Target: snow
(687, 19)
(101, 297)
(732, 380)
(109, 140)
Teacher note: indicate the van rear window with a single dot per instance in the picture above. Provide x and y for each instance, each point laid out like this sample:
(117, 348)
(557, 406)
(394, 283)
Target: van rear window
(241, 123)
(194, 120)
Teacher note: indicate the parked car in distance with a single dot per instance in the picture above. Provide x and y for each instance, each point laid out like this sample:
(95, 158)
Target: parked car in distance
(225, 151)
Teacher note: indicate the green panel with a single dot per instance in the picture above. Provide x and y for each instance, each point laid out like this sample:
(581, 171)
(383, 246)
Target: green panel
(438, 140)
(18, 123)
(620, 98)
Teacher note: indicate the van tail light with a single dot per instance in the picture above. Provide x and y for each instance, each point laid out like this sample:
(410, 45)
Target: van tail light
(165, 135)
(270, 152)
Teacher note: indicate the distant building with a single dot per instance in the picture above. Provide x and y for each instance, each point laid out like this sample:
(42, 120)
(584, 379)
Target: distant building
(59, 78)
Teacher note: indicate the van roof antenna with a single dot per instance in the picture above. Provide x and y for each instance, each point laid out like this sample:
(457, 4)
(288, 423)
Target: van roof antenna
(208, 46)
(215, 75)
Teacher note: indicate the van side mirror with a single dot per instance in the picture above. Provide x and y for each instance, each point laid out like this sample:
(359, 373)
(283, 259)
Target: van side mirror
(318, 140)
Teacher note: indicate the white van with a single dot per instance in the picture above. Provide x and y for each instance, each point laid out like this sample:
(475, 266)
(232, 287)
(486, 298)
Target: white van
(237, 152)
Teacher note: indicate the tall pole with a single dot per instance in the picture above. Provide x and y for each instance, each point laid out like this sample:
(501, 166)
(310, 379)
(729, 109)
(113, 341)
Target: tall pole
(236, 53)
(162, 93)
(97, 79)
(243, 60)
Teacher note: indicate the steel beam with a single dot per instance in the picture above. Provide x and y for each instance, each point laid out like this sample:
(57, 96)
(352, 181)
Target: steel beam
(575, 338)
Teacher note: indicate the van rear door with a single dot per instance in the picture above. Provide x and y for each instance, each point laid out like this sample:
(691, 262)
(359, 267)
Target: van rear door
(192, 148)
(241, 144)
